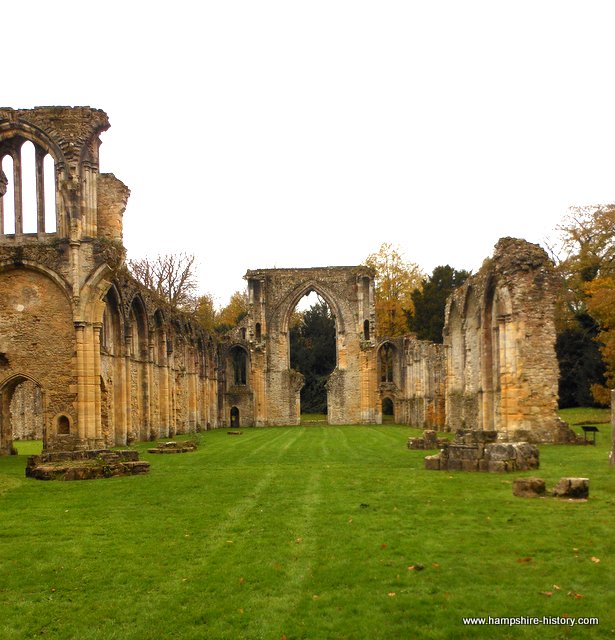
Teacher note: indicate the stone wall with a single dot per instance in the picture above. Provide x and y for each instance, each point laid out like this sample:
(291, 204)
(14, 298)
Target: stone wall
(351, 388)
(86, 354)
(111, 363)
(424, 384)
(502, 370)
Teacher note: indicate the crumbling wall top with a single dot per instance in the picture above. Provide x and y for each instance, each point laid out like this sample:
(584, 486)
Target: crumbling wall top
(70, 128)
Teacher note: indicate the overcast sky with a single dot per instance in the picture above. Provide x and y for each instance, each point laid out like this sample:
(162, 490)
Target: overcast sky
(288, 134)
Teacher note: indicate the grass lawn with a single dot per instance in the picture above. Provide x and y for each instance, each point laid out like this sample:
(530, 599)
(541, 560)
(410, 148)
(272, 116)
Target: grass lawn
(315, 532)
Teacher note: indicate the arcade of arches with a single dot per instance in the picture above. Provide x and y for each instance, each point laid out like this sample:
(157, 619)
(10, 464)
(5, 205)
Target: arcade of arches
(89, 358)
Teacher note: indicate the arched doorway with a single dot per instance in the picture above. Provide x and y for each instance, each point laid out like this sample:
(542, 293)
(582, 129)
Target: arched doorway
(22, 414)
(388, 411)
(273, 296)
(313, 353)
(235, 418)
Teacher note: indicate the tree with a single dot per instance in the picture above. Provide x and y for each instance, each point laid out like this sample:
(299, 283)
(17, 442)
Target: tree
(394, 282)
(205, 312)
(427, 319)
(584, 252)
(587, 237)
(234, 312)
(601, 305)
(580, 364)
(313, 353)
(171, 276)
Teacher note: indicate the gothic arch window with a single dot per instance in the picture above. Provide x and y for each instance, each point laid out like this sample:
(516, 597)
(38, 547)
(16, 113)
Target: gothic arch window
(239, 363)
(385, 361)
(111, 326)
(27, 188)
(138, 329)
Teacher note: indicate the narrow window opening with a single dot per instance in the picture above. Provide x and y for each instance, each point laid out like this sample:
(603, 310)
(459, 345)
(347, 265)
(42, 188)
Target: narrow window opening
(28, 187)
(8, 200)
(49, 178)
(257, 329)
(386, 363)
(366, 329)
(239, 366)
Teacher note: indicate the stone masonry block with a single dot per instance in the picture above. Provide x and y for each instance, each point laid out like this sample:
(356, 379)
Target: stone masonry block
(577, 488)
(528, 487)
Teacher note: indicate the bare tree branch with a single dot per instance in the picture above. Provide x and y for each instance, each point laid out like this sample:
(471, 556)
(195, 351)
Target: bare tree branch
(171, 276)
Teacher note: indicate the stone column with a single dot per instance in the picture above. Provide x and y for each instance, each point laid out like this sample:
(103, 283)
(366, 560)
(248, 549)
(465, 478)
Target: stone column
(81, 405)
(96, 382)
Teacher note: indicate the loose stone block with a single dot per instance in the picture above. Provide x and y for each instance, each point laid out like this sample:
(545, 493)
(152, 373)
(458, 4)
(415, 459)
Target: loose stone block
(432, 463)
(577, 488)
(529, 487)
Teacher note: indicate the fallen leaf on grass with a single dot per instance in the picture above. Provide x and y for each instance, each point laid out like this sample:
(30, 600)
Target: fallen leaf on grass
(435, 565)
(384, 545)
(596, 560)
(524, 560)
(349, 520)
(547, 593)
(575, 595)
(556, 587)
(241, 580)
(298, 540)
(315, 597)
(391, 594)
(416, 567)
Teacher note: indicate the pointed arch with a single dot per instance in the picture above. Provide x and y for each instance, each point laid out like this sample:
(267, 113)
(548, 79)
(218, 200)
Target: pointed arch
(287, 306)
(138, 327)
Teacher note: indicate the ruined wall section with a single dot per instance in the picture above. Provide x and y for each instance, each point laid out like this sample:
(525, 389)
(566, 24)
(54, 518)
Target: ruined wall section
(112, 363)
(112, 198)
(423, 384)
(500, 338)
(36, 344)
(273, 295)
(159, 370)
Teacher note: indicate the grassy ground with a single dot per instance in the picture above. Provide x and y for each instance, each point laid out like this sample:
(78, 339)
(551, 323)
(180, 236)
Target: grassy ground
(305, 532)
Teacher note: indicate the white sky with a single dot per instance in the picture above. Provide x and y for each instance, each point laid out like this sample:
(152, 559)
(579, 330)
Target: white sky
(288, 134)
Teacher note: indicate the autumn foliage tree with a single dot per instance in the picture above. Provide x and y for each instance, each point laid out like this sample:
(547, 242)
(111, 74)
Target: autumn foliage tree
(585, 259)
(233, 313)
(601, 305)
(394, 282)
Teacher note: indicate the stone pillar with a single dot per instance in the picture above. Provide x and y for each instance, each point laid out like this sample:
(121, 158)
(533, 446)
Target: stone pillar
(96, 382)
(127, 388)
(81, 409)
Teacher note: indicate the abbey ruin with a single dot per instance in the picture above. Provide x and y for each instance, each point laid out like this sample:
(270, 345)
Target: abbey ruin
(90, 358)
